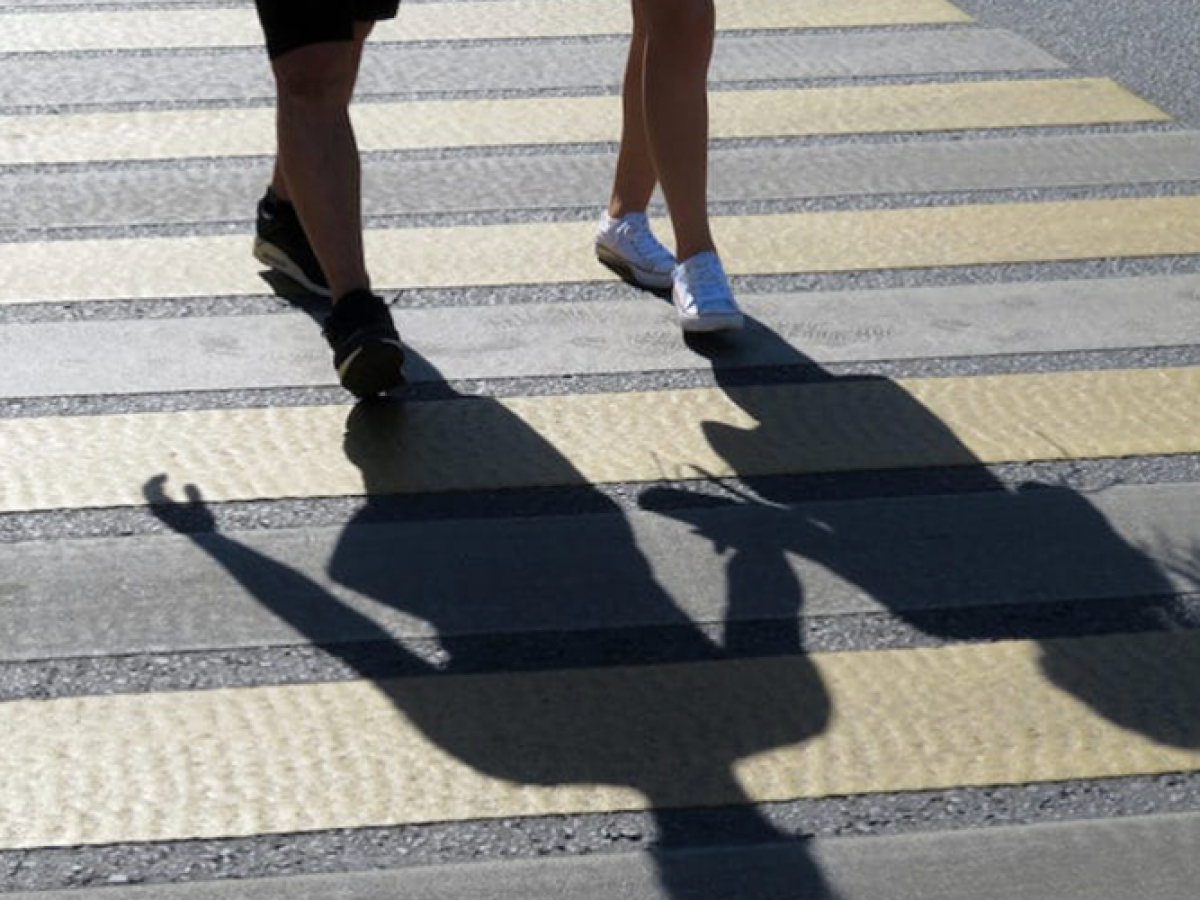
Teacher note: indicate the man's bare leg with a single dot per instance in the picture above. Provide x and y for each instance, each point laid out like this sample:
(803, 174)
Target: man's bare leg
(318, 168)
(362, 31)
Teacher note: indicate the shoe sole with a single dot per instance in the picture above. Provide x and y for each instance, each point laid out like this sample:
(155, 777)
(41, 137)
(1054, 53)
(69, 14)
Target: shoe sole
(276, 260)
(711, 324)
(631, 273)
(374, 368)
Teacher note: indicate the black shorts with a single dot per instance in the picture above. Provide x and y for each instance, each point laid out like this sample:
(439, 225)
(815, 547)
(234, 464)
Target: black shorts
(289, 24)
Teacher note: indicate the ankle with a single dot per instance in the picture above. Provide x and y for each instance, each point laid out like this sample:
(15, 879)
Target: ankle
(351, 290)
(638, 219)
(277, 197)
(687, 251)
(617, 210)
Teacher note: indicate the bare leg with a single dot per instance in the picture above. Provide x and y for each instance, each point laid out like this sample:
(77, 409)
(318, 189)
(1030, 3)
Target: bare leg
(278, 179)
(318, 166)
(677, 37)
(636, 176)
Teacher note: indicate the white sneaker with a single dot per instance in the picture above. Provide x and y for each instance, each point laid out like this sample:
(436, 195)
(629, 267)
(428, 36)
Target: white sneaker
(627, 246)
(703, 297)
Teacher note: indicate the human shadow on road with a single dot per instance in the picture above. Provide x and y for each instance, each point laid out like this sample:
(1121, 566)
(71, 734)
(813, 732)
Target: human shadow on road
(671, 733)
(675, 733)
(963, 570)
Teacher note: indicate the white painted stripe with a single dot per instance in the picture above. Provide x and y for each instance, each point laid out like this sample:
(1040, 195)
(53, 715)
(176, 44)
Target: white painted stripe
(268, 760)
(329, 451)
(544, 253)
(442, 124)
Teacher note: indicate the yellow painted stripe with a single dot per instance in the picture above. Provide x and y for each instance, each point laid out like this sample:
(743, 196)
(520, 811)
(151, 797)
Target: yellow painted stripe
(541, 253)
(288, 759)
(100, 461)
(169, 29)
(97, 137)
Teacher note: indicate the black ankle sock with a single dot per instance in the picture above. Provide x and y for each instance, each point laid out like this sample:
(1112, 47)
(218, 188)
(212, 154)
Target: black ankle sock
(273, 199)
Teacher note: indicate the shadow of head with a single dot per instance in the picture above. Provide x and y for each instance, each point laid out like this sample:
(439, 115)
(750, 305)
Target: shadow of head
(803, 419)
(667, 731)
(1017, 547)
(1144, 683)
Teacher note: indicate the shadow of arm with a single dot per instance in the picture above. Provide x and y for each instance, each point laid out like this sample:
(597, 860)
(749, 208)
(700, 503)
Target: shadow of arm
(321, 618)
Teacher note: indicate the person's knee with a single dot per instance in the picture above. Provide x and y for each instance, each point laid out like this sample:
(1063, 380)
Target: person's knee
(321, 74)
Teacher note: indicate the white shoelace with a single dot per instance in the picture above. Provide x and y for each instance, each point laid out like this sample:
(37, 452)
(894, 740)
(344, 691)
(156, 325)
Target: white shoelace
(644, 242)
(707, 284)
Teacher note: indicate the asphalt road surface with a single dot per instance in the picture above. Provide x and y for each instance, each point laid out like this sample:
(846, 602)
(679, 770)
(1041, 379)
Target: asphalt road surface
(894, 595)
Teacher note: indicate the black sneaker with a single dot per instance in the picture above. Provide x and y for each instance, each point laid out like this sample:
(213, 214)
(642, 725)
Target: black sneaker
(280, 244)
(367, 352)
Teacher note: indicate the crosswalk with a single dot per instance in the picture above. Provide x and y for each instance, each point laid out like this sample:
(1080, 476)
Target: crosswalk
(227, 26)
(892, 595)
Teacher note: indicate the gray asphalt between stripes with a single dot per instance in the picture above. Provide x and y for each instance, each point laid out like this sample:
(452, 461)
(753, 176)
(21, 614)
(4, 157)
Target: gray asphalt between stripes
(396, 70)
(1149, 858)
(906, 555)
(607, 337)
(1150, 46)
(199, 193)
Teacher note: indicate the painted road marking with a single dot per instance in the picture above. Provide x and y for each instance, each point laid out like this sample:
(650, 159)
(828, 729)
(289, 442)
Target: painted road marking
(549, 253)
(442, 124)
(288, 759)
(483, 444)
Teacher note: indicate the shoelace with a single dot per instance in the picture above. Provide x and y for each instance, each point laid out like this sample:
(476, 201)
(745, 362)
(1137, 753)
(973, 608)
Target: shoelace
(644, 241)
(706, 282)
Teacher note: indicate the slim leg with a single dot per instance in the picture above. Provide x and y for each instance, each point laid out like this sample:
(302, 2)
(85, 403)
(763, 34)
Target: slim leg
(678, 48)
